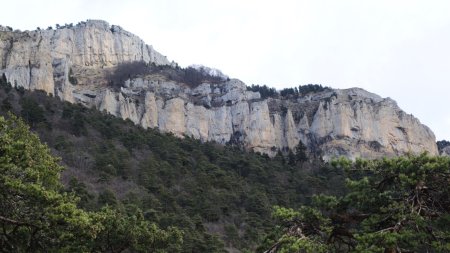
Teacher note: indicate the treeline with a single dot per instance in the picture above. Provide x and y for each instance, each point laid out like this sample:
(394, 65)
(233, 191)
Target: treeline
(192, 76)
(302, 90)
(295, 92)
(264, 90)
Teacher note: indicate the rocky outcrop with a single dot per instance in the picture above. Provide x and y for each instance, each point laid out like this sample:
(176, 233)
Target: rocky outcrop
(445, 151)
(351, 122)
(43, 59)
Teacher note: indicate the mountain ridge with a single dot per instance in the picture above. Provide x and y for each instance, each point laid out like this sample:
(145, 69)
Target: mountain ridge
(75, 64)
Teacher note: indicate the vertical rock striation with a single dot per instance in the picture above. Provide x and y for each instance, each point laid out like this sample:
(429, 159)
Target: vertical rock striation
(42, 59)
(73, 63)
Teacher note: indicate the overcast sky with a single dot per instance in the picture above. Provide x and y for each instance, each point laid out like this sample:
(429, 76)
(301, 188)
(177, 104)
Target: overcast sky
(398, 49)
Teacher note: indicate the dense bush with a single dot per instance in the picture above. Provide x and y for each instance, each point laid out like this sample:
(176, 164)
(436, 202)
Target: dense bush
(264, 90)
(305, 89)
(295, 92)
(392, 205)
(31, 112)
(302, 90)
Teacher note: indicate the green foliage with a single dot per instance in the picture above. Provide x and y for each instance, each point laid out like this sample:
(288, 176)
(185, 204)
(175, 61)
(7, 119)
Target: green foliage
(74, 114)
(297, 155)
(130, 231)
(31, 112)
(62, 144)
(6, 105)
(302, 90)
(301, 153)
(392, 205)
(37, 216)
(80, 190)
(264, 90)
(301, 237)
(107, 197)
(111, 160)
(289, 92)
(305, 89)
(33, 213)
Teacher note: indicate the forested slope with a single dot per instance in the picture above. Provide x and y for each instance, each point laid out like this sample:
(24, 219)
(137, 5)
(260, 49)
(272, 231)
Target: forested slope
(220, 196)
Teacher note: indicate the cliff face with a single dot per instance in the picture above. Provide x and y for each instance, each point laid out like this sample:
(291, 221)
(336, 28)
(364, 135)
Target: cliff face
(352, 122)
(43, 59)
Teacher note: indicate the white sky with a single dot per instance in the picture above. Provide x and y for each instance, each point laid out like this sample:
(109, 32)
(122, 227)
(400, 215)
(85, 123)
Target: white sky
(395, 48)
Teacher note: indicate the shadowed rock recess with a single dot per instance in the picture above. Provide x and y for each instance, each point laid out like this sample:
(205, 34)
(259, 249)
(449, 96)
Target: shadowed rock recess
(78, 63)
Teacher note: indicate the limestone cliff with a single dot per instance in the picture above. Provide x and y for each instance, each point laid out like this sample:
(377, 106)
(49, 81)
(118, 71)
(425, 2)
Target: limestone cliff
(74, 62)
(43, 59)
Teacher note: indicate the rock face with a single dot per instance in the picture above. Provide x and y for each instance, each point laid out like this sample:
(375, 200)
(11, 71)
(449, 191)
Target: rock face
(73, 63)
(43, 59)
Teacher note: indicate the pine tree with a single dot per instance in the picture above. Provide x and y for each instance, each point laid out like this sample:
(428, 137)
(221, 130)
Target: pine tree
(392, 205)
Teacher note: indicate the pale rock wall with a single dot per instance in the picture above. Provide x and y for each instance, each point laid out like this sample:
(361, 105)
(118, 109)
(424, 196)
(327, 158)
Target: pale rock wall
(351, 122)
(172, 117)
(378, 127)
(150, 117)
(39, 59)
(198, 120)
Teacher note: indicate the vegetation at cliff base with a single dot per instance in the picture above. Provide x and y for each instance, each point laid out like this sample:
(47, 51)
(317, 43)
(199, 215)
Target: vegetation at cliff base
(37, 215)
(128, 189)
(218, 197)
(392, 205)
